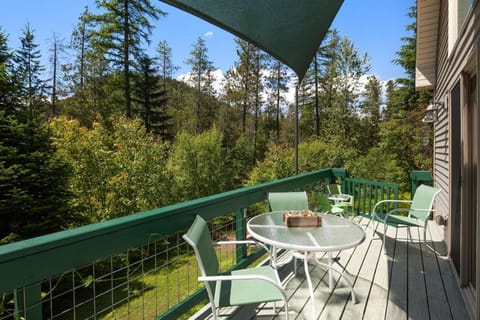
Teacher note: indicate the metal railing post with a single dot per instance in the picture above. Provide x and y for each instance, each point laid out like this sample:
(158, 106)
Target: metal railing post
(240, 233)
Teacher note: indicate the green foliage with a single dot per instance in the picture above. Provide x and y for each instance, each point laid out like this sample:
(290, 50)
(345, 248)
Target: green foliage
(378, 165)
(316, 154)
(201, 79)
(122, 28)
(116, 171)
(278, 163)
(33, 179)
(199, 165)
(29, 70)
(151, 99)
(9, 86)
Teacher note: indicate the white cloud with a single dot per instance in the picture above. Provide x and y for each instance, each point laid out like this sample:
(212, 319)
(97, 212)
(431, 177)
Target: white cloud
(217, 82)
(208, 34)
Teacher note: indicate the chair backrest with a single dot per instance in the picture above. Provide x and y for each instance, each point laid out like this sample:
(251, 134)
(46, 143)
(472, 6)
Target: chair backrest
(198, 237)
(334, 188)
(279, 201)
(423, 199)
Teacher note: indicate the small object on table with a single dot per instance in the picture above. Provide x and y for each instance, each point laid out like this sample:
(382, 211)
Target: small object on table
(303, 218)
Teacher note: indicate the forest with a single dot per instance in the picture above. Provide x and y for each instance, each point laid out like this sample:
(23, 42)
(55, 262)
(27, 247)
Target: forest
(111, 133)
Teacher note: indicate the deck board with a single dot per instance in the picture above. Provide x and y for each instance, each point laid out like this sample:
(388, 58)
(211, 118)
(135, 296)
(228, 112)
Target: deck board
(410, 281)
(376, 306)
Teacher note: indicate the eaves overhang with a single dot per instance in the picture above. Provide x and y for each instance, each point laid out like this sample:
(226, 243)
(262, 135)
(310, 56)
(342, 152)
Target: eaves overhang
(428, 14)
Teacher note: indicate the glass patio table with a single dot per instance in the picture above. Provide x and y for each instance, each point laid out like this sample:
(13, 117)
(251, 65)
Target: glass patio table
(335, 234)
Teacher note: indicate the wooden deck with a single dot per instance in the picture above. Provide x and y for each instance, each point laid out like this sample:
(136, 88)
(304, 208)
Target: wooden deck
(408, 282)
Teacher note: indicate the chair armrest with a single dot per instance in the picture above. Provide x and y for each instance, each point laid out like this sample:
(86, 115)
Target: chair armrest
(242, 242)
(374, 210)
(422, 210)
(243, 277)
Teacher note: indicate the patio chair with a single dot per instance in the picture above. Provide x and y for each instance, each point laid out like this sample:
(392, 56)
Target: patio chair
(282, 201)
(417, 214)
(325, 205)
(279, 201)
(337, 189)
(237, 287)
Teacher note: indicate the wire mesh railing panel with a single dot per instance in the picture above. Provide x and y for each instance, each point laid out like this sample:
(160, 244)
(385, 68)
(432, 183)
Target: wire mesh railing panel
(137, 284)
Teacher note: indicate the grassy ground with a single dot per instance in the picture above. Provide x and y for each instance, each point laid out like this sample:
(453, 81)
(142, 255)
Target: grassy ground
(148, 294)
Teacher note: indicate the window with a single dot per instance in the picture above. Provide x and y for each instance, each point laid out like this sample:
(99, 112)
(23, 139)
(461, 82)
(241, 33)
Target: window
(457, 13)
(464, 7)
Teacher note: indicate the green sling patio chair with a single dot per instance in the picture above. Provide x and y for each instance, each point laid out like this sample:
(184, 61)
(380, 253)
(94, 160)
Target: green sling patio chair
(284, 201)
(347, 205)
(280, 201)
(417, 214)
(235, 288)
(325, 205)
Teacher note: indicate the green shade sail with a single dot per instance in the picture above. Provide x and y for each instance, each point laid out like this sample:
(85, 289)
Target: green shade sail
(289, 30)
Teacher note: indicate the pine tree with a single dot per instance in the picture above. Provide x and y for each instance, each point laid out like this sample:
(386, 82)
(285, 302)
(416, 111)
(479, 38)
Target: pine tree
(372, 98)
(57, 50)
(33, 180)
(122, 28)
(201, 66)
(151, 97)
(79, 44)
(165, 62)
(9, 85)
(277, 82)
(29, 71)
(340, 69)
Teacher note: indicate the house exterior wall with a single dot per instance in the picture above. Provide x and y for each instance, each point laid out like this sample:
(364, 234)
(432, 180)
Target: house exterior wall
(457, 59)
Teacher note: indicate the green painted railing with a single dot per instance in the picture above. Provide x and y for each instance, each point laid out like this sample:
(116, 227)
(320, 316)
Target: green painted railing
(25, 266)
(366, 193)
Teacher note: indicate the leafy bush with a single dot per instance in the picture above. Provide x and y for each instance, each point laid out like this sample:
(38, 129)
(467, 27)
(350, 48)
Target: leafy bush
(116, 171)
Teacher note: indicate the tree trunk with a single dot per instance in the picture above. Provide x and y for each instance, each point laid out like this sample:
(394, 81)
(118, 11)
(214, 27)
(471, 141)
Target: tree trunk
(126, 62)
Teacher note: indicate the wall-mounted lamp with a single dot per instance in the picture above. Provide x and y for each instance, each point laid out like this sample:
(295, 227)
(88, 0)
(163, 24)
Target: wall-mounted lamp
(431, 113)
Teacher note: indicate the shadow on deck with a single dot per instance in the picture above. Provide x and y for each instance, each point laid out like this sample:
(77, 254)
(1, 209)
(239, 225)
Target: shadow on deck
(408, 282)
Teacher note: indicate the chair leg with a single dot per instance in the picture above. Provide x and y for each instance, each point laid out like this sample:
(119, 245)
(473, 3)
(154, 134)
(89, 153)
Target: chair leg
(425, 236)
(294, 266)
(385, 226)
(214, 311)
(372, 226)
(285, 304)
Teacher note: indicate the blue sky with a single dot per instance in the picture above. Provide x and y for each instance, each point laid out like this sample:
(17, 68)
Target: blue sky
(374, 26)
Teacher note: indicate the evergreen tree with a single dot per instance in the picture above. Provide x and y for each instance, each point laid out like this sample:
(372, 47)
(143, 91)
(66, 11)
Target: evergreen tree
(340, 68)
(370, 115)
(201, 67)
(79, 44)
(33, 180)
(165, 62)
(277, 82)
(167, 68)
(258, 87)
(57, 51)
(122, 28)
(29, 71)
(8, 82)
(91, 83)
(244, 82)
(151, 97)
(372, 98)
(308, 102)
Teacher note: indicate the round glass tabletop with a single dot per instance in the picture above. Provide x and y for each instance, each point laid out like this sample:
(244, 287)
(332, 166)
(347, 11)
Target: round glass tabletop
(335, 234)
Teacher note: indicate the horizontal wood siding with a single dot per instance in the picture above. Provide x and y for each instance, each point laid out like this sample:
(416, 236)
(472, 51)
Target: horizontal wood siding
(449, 68)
